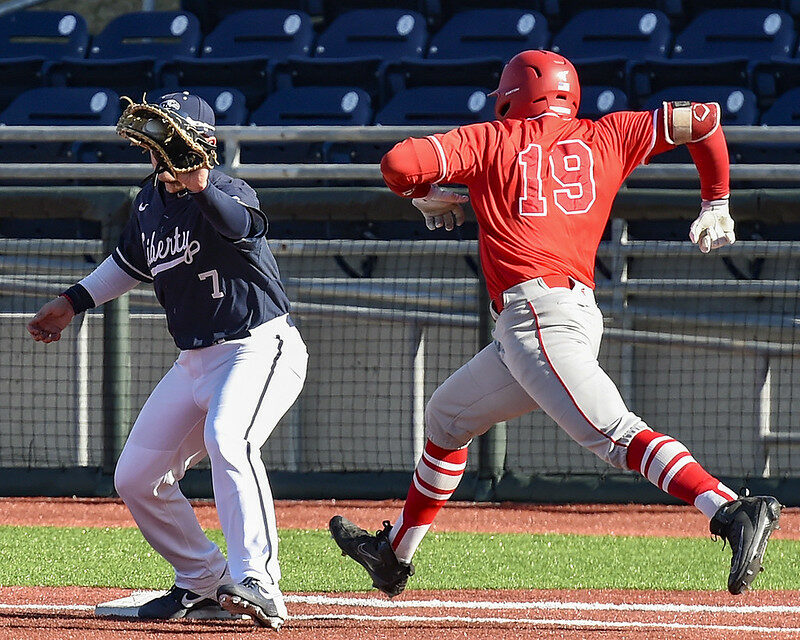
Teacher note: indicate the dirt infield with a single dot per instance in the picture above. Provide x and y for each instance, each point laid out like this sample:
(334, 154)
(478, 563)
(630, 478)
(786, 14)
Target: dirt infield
(67, 613)
(589, 519)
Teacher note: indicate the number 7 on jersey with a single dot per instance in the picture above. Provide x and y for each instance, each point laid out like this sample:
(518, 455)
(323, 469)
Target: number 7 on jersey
(571, 168)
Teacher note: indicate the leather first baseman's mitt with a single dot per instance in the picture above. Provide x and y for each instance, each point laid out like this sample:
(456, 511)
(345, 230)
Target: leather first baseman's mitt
(179, 145)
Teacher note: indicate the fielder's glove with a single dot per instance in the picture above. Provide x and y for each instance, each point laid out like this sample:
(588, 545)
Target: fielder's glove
(714, 226)
(441, 208)
(179, 146)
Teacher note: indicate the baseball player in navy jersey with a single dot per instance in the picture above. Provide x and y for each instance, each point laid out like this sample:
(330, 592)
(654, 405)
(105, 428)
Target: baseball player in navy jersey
(542, 182)
(199, 238)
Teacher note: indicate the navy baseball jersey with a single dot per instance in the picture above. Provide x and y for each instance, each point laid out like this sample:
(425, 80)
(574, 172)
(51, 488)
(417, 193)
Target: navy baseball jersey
(211, 287)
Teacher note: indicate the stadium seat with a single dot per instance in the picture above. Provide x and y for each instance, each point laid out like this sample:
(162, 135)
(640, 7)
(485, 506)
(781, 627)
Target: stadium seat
(49, 35)
(250, 75)
(271, 33)
(407, 74)
(130, 77)
(388, 33)
(692, 8)
(649, 77)
(757, 34)
(437, 106)
(634, 34)
(332, 9)
(63, 106)
(489, 33)
(56, 106)
(363, 73)
(598, 101)
(774, 78)
(153, 34)
(305, 106)
(212, 12)
(784, 111)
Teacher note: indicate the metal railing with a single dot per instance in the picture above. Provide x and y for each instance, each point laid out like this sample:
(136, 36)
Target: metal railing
(232, 137)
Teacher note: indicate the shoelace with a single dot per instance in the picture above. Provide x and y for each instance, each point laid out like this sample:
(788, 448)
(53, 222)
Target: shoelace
(250, 582)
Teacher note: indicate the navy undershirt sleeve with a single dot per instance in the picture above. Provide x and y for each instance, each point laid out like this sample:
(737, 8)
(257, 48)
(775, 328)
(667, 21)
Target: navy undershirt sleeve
(230, 218)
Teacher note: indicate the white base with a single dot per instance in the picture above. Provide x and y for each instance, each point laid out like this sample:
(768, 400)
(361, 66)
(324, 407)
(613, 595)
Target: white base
(128, 607)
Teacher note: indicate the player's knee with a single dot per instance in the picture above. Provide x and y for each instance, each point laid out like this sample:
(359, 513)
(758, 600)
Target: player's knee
(127, 477)
(442, 428)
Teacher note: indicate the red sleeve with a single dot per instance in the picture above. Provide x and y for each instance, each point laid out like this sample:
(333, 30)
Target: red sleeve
(631, 135)
(710, 156)
(457, 156)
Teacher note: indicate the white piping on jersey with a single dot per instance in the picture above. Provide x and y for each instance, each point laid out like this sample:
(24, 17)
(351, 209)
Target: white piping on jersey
(187, 257)
(442, 158)
(149, 278)
(653, 137)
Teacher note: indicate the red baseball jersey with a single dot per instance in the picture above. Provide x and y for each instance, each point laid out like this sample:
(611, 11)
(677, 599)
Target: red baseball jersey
(542, 188)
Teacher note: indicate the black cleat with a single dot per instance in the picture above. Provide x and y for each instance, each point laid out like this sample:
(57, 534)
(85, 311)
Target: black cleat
(374, 553)
(178, 603)
(746, 524)
(251, 599)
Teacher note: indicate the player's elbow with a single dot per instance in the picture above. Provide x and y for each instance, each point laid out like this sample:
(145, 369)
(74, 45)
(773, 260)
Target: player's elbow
(393, 171)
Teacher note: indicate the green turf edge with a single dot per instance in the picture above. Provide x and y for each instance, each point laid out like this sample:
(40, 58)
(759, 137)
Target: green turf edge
(120, 557)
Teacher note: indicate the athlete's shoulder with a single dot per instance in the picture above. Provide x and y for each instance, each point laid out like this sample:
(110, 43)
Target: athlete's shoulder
(145, 200)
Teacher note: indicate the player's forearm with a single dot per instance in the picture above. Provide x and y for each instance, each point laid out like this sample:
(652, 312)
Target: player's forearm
(105, 283)
(228, 216)
(711, 159)
(410, 167)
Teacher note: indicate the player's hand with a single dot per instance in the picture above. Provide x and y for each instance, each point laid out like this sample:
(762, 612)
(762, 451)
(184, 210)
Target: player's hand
(195, 181)
(714, 226)
(441, 208)
(51, 320)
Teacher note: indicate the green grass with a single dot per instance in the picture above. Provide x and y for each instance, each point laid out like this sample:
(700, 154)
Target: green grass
(119, 557)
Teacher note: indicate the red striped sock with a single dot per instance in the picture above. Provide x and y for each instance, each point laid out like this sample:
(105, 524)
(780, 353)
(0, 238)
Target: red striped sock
(668, 464)
(435, 479)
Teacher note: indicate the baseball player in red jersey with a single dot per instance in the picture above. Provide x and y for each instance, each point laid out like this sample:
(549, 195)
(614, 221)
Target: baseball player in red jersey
(542, 183)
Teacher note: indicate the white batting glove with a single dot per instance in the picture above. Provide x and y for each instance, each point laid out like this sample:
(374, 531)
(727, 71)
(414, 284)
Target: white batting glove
(441, 208)
(714, 226)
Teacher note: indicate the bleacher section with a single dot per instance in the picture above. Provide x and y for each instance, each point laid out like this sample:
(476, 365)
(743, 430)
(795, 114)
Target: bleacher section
(274, 62)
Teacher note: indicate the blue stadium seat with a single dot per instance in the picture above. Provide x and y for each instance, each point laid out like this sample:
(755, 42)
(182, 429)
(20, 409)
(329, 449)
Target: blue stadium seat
(774, 78)
(389, 33)
(271, 33)
(332, 9)
(212, 12)
(784, 111)
(305, 106)
(43, 34)
(363, 73)
(63, 106)
(56, 106)
(598, 101)
(437, 106)
(692, 8)
(634, 34)
(128, 77)
(489, 33)
(407, 74)
(757, 34)
(251, 75)
(153, 34)
(649, 77)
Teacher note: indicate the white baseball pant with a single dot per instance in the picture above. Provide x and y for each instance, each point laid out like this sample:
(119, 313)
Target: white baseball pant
(544, 355)
(222, 401)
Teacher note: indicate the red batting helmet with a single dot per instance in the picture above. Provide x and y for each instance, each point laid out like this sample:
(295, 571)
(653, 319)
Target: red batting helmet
(534, 82)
